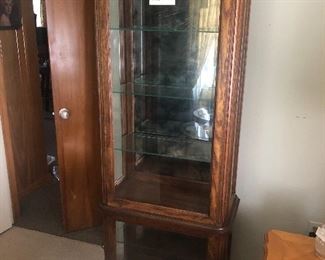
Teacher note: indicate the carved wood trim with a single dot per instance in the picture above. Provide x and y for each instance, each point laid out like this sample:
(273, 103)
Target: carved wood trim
(227, 109)
(231, 61)
(105, 97)
(10, 156)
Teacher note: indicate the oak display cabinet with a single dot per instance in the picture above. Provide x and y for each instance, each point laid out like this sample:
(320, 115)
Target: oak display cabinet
(170, 88)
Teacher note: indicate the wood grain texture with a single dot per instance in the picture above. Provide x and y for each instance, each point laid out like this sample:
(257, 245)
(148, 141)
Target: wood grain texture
(233, 38)
(30, 82)
(230, 80)
(8, 142)
(166, 223)
(104, 67)
(219, 247)
(161, 211)
(110, 238)
(241, 82)
(232, 56)
(71, 31)
(164, 218)
(21, 106)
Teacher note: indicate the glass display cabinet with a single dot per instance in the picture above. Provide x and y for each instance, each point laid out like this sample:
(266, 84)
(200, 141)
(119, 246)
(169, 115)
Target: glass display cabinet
(171, 76)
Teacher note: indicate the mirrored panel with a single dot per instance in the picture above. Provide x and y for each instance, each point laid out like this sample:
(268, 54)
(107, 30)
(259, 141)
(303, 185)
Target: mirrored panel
(164, 65)
(185, 15)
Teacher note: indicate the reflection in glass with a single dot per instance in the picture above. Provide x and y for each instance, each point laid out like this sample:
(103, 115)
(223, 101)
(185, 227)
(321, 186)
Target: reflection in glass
(164, 62)
(186, 15)
(135, 242)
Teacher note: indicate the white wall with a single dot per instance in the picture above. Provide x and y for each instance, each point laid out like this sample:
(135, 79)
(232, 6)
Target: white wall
(281, 174)
(6, 218)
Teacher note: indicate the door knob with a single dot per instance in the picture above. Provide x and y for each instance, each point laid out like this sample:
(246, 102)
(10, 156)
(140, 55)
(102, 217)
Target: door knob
(64, 113)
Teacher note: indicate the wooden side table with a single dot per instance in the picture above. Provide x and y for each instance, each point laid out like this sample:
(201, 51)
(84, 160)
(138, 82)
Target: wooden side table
(283, 245)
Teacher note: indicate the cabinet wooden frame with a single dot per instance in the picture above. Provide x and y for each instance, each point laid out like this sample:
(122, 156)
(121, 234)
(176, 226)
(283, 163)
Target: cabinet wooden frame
(233, 34)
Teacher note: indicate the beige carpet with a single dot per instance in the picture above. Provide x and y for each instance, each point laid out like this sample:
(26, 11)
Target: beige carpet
(23, 244)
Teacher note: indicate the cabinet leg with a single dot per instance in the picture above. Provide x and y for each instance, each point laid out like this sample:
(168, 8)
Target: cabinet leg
(110, 239)
(219, 247)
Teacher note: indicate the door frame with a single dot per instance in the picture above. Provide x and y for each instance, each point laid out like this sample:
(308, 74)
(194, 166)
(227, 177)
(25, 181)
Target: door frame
(6, 217)
(8, 144)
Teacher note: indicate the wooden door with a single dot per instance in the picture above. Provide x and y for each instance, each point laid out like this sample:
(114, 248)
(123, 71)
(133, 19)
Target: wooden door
(21, 108)
(71, 32)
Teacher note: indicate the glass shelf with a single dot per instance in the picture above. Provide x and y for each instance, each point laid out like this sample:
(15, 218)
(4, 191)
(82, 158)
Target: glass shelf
(178, 148)
(165, 29)
(173, 80)
(177, 129)
(182, 170)
(164, 71)
(161, 91)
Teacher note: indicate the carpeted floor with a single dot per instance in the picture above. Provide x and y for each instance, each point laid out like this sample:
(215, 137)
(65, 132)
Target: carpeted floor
(41, 210)
(23, 244)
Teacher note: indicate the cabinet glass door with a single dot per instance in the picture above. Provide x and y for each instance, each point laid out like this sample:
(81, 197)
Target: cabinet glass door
(164, 66)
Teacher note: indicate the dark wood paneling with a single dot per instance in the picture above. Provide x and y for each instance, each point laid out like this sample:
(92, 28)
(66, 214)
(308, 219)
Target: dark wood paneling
(23, 115)
(29, 67)
(6, 126)
(71, 31)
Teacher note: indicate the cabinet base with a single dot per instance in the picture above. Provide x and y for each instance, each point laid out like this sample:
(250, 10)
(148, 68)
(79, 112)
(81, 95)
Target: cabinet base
(124, 241)
(217, 245)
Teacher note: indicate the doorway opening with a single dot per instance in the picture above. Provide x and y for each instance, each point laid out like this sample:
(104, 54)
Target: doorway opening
(41, 209)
